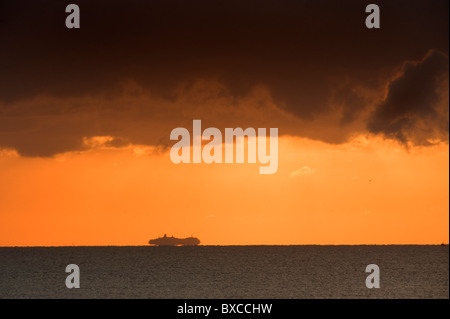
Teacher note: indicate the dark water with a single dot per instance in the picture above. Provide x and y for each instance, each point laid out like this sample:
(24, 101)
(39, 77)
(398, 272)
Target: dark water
(226, 272)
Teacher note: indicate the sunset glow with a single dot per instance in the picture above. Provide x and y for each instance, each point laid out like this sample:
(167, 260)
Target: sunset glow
(361, 115)
(366, 191)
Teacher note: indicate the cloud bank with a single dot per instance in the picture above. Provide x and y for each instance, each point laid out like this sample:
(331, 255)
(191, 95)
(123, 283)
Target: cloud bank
(135, 71)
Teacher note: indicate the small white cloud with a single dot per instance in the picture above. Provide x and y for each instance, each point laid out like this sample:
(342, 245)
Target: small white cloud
(141, 151)
(304, 171)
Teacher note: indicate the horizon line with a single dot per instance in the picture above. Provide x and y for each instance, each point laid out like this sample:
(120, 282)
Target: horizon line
(218, 245)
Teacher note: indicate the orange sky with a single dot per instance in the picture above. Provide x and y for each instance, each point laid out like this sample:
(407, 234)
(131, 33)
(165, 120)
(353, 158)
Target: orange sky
(362, 116)
(367, 191)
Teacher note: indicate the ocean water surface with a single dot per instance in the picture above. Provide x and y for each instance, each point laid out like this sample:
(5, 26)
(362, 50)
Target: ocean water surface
(225, 272)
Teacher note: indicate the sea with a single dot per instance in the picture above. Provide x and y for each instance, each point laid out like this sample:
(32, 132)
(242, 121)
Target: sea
(230, 272)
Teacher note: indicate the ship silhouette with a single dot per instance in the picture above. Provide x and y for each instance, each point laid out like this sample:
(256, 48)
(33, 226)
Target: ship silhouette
(173, 241)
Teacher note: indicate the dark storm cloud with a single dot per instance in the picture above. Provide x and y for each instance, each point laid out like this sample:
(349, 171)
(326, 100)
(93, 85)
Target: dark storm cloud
(312, 56)
(414, 109)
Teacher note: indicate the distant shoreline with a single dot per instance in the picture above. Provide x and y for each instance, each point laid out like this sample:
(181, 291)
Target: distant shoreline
(254, 245)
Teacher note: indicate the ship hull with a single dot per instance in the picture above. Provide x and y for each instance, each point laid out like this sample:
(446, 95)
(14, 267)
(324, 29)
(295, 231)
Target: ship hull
(172, 241)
